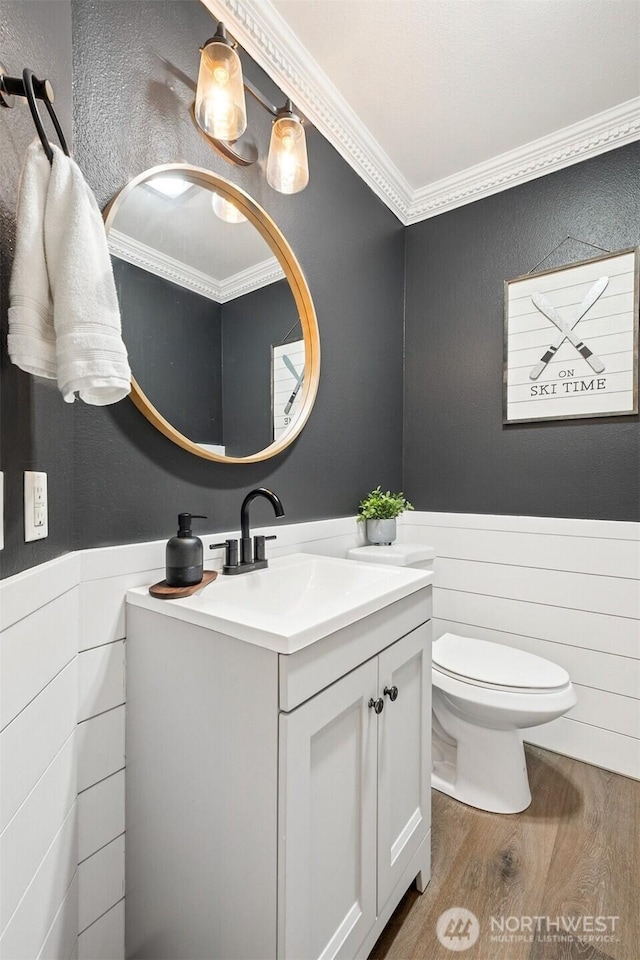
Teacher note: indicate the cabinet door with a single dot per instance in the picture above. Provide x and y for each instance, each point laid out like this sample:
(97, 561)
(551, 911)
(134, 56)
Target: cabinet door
(404, 756)
(327, 821)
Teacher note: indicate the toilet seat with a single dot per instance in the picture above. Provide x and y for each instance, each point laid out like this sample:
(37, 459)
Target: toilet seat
(494, 666)
(485, 685)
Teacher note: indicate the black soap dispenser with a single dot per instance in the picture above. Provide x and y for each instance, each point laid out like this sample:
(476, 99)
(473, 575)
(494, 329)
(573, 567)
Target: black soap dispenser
(184, 554)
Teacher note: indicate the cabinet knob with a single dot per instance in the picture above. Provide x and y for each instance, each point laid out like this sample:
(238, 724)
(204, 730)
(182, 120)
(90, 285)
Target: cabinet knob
(391, 692)
(378, 705)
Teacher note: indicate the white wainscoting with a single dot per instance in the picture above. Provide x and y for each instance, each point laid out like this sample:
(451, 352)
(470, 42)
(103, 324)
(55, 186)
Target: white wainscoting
(62, 729)
(39, 619)
(568, 590)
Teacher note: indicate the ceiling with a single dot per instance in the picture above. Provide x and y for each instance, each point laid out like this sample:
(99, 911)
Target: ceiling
(187, 229)
(182, 239)
(439, 102)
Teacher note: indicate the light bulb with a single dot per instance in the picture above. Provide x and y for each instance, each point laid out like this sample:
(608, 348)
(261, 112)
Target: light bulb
(287, 165)
(221, 76)
(220, 108)
(226, 210)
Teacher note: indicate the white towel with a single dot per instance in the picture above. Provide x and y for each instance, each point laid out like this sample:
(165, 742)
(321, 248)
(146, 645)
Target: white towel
(90, 357)
(32, 340)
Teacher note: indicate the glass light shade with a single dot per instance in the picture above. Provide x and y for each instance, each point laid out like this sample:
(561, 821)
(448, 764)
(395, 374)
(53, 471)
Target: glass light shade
(287, 165)
(220, 105)
(226, 210)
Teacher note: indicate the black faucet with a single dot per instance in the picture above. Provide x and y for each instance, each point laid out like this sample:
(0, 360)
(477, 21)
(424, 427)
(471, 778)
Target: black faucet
(251, 557)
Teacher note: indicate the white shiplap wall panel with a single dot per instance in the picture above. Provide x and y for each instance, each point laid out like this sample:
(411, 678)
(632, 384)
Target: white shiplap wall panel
(100, 815)
(29, 926)
(32, 740)
(597, 555)
(62, 938)
(613, 712)
(25, 840)
(101, 882)
(576, 591)
(102, 684)
(34, 650)
(555, 526)
(603, 748)
(580, 628)
(100, 747)
(102, 606)
(104, 939)
(26, 592)
(563, 589)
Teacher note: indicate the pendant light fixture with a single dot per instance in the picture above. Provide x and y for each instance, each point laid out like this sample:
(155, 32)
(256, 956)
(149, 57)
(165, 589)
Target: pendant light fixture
(226, 210)
(287, 164)
(220, 108)
(220, 113)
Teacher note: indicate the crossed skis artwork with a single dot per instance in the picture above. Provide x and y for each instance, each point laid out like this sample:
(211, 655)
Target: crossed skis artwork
(566, 329)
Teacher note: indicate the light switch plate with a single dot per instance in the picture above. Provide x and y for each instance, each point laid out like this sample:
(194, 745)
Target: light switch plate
(1, 510)
(36, 514)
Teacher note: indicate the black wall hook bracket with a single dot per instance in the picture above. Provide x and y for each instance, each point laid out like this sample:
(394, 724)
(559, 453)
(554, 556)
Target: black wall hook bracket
(33, 89)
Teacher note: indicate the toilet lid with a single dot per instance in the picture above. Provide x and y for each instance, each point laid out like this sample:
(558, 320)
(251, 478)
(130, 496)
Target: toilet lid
(481, 661)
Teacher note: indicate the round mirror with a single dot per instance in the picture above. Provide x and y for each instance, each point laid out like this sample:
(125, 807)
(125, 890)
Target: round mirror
(216, 315)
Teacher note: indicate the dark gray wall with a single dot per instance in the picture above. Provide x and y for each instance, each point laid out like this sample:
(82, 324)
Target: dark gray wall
(458, 456)
(36, 426)
(133, 65)
(131, 111)
(251, 325)
(174, 340)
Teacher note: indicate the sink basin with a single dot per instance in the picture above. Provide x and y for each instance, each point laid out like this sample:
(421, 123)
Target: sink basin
(298, 599)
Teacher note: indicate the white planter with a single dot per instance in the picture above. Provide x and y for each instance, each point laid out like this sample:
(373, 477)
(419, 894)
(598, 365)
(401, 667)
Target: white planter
(381, 531)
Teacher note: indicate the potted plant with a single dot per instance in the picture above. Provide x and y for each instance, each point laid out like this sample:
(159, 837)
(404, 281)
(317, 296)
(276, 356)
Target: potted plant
(379, 510)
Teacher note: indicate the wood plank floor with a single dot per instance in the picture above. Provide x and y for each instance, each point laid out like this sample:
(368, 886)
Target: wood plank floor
(574, 853)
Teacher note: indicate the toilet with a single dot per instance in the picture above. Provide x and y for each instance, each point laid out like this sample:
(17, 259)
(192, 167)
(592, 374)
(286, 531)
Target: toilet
(484, 695)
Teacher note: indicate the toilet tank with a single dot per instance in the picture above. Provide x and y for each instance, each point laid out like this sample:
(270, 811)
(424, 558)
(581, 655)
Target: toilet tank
(418, 556)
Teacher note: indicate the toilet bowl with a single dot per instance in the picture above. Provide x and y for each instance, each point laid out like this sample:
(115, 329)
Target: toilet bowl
(484, 695)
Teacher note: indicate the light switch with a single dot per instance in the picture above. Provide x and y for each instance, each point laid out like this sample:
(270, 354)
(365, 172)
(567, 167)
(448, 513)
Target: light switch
(36, 519)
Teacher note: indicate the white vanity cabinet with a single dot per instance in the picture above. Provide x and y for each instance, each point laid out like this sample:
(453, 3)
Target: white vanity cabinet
(271, 811)
(354, 806)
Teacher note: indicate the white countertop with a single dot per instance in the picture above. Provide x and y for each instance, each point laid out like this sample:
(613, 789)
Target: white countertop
(297, 600)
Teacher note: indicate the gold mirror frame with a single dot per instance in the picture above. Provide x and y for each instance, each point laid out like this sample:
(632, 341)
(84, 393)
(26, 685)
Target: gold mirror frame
(297, 283)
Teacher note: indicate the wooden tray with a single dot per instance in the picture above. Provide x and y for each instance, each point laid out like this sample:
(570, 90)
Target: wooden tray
(163, 591)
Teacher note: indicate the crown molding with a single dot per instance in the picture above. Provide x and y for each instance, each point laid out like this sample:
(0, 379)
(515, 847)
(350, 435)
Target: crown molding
(265, 35)
(604, 131)
(148, 258)
(245, 281)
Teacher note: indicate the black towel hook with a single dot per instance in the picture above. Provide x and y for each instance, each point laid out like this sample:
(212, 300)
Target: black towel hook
(28, 79)
(33, 90)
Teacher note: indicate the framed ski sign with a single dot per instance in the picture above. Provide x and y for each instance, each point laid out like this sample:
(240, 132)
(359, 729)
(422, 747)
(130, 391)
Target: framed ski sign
(571, 341)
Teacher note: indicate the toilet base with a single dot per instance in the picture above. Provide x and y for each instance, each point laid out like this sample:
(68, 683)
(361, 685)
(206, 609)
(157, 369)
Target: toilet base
(484, 768)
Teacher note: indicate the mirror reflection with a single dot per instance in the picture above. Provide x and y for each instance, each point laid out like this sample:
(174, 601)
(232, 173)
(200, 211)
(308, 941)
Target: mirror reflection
(208, 316)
